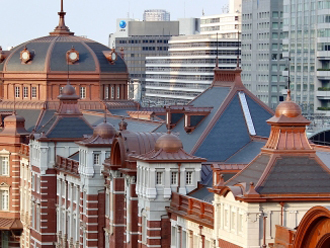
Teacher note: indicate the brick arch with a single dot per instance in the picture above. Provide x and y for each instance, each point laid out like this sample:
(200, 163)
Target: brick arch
(118, 154)
(314, 229)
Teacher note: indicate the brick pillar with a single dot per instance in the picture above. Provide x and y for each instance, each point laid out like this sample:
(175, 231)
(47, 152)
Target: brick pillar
(44, 202)
(117, 194)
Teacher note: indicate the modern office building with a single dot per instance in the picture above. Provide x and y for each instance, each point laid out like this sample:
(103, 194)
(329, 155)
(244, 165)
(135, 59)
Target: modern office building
(139, 39)
(306, 31)
(156, 15)
(188, 69)
(262, 60)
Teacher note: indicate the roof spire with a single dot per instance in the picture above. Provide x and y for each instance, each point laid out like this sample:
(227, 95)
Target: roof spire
(288, 97)
(105, 113)
(61, 29)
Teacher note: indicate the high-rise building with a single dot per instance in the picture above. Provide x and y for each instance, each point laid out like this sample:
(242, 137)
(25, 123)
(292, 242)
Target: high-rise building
(262, 60)
(306, 32)
(139, 39)
(188, 69)
(156, 15)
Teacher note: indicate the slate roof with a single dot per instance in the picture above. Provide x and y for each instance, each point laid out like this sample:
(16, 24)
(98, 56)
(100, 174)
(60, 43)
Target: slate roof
(229, 133)
(133, 125)
(247, 153)
(294, 175)
(91, 56)
(66, 128)
(252, 172)
(30, 115)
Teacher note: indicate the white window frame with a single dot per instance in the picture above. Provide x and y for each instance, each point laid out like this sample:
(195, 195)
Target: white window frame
(106, 92)
(159, 177)
(174, 178)
(4, 165)
(25, 92)
(82, 92)
(118, 92)
(112, 92)
(17, 91)
(34, 92)
(96, 158)
(61, 90)
(189, 177)
(4, 198)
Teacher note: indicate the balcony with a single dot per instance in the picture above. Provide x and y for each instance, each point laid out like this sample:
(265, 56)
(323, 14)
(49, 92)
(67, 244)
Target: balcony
(67, 165)
(323, 95)
(192, 208)
(323, 74)
(323, 55)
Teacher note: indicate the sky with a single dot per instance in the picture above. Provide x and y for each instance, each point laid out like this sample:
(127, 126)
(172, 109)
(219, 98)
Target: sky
(23, 20)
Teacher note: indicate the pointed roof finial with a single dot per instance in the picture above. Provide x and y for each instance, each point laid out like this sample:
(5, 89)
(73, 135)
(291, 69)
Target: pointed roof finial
(288, 97)
(61, 29)
(105, 113)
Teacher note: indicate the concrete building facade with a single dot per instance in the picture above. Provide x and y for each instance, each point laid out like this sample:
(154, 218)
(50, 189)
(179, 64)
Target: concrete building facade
(156, 15)
(262, 58)
(140, 39)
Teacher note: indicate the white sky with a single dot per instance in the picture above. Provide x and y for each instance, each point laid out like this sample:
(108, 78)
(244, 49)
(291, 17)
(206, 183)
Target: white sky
(23, 20)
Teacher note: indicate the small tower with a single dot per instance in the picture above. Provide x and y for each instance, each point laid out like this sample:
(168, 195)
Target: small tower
(166, 169)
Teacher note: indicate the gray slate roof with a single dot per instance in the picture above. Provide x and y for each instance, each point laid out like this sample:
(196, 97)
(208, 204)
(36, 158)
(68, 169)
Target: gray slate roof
(294, 175)
(90, 55)
(247, 153)
(133, 125)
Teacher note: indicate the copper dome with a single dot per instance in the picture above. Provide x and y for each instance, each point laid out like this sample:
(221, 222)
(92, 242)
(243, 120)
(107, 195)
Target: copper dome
(169, 143)
(68, 90)
(104, 130)
(289, 109)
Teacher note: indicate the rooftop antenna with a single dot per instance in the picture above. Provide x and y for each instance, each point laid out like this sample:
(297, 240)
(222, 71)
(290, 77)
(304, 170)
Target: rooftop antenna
(288, 97)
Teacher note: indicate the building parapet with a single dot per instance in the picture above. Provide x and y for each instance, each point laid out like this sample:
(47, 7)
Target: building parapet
(67, 165)
(193, 209)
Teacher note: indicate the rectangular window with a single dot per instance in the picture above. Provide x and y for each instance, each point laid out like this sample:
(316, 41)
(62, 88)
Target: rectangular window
(118, 92)
(38, 217)
(17, 91)
(4, 166)
(25, 92)
(82, 92)
(34, 92)
(159, 177)
(189, 177)
(106, 92)
(61, 90)
(96, 158)
(4, 239)
(174, 177)
(4, 199)
(173, 236)
(112, 92)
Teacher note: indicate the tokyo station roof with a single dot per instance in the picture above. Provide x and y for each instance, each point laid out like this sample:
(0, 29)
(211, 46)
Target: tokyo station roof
(287, 167)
